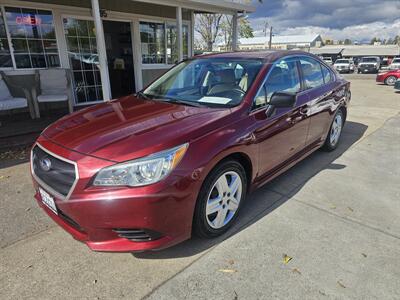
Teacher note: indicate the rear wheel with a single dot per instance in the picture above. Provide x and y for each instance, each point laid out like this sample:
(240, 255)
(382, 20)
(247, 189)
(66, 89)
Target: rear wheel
(390, 80)
(220, 199)
(335, 131)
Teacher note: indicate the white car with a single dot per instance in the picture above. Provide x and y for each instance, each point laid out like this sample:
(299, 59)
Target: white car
(395, 64)
(328, 60)
(344, 65)
(369, 64)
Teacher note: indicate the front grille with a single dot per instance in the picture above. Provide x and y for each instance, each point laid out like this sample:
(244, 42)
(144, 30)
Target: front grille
(54, 172)
(138, 235)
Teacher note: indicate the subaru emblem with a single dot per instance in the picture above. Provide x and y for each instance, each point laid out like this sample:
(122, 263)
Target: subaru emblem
(45, 164)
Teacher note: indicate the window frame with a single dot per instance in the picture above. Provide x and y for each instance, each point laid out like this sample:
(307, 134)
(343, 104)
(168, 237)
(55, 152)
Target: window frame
(166, 22)
(14, 66)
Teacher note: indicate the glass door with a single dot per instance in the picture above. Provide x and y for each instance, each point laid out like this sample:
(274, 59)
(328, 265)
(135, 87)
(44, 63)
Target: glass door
(118, 40)
(84, 61)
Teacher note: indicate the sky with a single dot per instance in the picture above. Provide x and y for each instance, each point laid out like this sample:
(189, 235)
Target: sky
(358, 20)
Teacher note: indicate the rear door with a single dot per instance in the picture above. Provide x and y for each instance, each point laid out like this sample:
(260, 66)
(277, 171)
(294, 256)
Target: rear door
(283, 134)
(318, 81)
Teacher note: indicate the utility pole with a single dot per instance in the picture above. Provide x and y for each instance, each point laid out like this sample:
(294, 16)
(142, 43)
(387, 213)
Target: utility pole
(270, 38)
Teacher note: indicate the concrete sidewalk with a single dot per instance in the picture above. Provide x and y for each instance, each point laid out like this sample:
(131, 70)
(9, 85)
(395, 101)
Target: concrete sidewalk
(337, 215)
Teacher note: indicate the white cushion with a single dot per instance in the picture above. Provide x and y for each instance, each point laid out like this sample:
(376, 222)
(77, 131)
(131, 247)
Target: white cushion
(4, 91)
(53, 81)
(52, 98)
(13, 103)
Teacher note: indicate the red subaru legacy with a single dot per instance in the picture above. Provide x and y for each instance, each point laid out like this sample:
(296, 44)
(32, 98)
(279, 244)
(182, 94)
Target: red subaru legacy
(144, 172)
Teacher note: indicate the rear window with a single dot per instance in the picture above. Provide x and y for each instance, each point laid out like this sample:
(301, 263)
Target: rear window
(312, 72)
(342, 61)
(369, 59)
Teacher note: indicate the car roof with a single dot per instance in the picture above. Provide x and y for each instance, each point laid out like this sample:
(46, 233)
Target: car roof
(268, 56)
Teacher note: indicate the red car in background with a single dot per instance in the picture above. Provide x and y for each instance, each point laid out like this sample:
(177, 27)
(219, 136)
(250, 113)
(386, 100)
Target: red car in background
(145, 171)
(389, 77)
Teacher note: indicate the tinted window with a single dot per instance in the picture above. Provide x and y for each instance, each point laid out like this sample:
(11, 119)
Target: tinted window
(312, 72)
(284, 77)
(327, 74)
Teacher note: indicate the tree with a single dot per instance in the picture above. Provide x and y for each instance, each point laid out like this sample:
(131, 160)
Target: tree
(208, 26)
(244, 30)
(396, 40)
(348, 42)
(213, 26)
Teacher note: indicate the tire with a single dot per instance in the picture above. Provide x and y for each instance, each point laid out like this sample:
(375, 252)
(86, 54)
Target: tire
(335, 132)
(390, 80)
(208, 224)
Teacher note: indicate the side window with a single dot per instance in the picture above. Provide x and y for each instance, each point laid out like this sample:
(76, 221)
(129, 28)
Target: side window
(312, 72)
(327, 74)
(284, 77)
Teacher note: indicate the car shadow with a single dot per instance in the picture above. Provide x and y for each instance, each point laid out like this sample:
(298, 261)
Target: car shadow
(269, 197)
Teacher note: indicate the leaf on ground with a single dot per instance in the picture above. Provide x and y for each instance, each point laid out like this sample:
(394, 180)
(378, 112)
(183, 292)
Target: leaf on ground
(295, 270)
(363, 254)
(227, 270)
(350, 209)
(231, 261)
(286, 258)
(333, 206)
(341, 284)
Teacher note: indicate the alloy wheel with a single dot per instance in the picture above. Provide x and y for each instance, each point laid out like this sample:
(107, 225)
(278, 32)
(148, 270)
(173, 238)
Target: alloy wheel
(223, 199)
(336, 129)
(391, 80)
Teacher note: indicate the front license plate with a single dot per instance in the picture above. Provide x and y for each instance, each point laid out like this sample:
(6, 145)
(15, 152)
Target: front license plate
(48, 200)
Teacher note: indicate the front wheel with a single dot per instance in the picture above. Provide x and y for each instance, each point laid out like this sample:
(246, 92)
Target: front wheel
(391, 80)
(335, 131)
(220, 199)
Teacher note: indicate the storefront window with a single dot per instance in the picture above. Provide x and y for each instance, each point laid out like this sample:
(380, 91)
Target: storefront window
(152, 36)
(84, 60)
(172, 50)
(5, 55)
(33, 38)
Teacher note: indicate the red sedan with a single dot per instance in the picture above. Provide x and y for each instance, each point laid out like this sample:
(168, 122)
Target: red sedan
(143, 172)
(389, 77)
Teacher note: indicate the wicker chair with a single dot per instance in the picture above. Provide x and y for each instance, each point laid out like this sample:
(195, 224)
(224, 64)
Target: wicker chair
(10, 102)
(52, 85)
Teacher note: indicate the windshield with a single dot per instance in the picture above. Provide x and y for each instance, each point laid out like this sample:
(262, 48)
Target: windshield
(206, 82)
(342, 61)
(369, 59)
(396, 60)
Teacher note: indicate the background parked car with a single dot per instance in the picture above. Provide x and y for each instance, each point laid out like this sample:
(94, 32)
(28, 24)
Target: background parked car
(388, 78)
(328, 60)
(344, 65)
(395, 64)
(369, 64)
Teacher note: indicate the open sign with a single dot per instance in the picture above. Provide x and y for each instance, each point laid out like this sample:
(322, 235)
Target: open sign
(28, 20)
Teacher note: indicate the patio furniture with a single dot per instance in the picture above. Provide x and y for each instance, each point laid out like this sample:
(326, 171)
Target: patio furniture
(10, 101)
(52, 85)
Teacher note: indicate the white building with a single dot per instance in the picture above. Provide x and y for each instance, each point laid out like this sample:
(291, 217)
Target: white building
(282, 42)
(112, 47)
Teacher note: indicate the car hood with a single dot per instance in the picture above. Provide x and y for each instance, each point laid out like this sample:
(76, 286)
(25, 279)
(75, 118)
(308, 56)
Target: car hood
(342, 65)
(129, 127)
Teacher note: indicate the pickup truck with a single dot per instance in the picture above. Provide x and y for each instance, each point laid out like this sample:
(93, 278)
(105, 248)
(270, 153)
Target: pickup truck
(369, 64)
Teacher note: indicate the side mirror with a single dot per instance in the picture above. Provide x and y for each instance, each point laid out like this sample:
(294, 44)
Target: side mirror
(282, 99)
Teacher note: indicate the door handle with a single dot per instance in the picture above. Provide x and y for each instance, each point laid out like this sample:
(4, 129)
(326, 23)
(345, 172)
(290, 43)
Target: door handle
(304, 111)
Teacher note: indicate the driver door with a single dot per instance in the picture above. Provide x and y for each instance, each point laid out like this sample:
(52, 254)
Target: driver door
(282, 134)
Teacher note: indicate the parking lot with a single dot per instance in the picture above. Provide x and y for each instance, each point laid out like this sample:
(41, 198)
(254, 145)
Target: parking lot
(327, 228)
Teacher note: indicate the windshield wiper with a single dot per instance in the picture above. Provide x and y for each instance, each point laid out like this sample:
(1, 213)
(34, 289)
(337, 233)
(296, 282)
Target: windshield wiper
(184, 102)
(143, 95)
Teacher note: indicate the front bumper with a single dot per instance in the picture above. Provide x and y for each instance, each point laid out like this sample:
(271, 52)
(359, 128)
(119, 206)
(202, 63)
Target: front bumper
(96, 215)
(367, 69)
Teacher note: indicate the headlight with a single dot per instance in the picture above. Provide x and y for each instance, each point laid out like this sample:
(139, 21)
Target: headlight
(142, 171)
